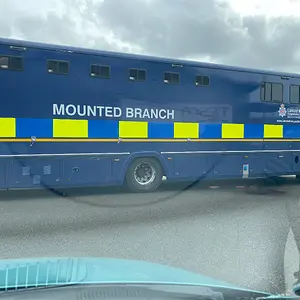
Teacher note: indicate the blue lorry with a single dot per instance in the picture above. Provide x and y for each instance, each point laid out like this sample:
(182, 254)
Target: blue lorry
(79, 117)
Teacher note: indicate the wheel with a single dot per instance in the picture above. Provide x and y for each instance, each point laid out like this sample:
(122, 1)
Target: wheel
(144, 175)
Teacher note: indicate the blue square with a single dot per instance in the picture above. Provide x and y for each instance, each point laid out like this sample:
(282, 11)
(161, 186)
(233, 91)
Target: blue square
(160, 130)
(254, 131)
(40, 128)
(103, 129)
(210, 131)
(291, 131)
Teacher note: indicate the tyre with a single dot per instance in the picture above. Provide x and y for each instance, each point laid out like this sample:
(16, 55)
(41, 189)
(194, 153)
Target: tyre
(144, 175)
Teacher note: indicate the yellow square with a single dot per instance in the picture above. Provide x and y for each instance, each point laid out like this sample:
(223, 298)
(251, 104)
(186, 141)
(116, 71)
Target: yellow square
(70, 128)
(273, 131)
(129, 129)
(186, 130)
(232, 131)
(7, 127)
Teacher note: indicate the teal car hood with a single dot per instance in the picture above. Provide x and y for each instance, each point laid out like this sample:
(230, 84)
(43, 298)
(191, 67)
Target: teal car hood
(18, 273)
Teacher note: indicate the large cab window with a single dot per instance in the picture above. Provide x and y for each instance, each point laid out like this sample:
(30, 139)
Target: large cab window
(294, 94)
(271, 92)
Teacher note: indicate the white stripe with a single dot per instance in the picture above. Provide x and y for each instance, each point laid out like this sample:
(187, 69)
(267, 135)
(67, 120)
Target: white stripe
(128, 153)
(63, 154)
(233, 151)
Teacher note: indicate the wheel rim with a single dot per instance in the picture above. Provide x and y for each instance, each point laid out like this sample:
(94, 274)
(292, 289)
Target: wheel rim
(144, 173)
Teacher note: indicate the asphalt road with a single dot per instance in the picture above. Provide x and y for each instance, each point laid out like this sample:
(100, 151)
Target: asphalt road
(240, 235)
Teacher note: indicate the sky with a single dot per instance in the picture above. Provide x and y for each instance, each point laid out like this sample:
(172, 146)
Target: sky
(261, 34)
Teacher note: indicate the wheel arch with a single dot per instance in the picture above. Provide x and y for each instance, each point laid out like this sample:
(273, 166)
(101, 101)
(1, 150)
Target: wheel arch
(147, 154)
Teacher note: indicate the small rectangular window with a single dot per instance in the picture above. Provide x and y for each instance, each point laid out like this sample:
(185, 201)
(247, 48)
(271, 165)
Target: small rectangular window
(14, 63)
(58, 67)
(171, 78)
(294, 94)
(138, 75)
(202, 80)
(4, 62)
(271, 92)
(63, 67)
(100, 71)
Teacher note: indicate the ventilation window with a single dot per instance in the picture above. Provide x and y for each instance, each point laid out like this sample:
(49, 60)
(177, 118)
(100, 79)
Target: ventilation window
(100, 71)
(172, 78)
(58, 67)
(202, 80)
(138, 75)
(14, 63)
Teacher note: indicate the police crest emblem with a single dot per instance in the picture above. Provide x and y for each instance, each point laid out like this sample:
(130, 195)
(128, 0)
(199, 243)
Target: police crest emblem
(282, 110)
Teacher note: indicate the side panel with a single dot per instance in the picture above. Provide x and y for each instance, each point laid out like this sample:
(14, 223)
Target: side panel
(87, 130)
(34, 172)
(62, 171)
(4, 171)
(87, 170)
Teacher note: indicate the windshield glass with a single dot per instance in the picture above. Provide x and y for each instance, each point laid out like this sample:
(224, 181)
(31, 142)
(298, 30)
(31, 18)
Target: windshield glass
(155, 132)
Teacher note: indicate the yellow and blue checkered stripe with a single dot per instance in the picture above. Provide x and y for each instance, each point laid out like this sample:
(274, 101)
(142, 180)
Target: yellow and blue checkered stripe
(19, 128)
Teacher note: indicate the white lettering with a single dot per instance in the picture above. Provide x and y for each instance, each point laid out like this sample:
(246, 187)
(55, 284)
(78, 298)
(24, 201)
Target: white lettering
(146, 114)
(138, 113)
(162, 114)
(129, 112)
(91, 110)
(108, 112)
(170, 114)
(71, 110)
(58, 110)
(115, 112)
(154, 113)
(100, 108)
(83, 112)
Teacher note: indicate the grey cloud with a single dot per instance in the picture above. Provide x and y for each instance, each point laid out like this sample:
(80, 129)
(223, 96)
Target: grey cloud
(169, 30)
(52, 28)
(56, 29)
(5, 29)
(271, 44)
(200, 28)
(177, 29)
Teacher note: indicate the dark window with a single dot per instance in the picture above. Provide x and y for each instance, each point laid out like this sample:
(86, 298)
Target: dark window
(268, 92)
(271, 92)
(4, 62)
(14, 63)
(100, 71)
(63, 67)
(138, 75)
(277, 92)
(262, 92)
(202, 80)
(58, 67)
(172, 78)
(294, 94)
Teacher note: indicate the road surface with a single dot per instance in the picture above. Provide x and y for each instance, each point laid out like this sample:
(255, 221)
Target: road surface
(238, 234)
